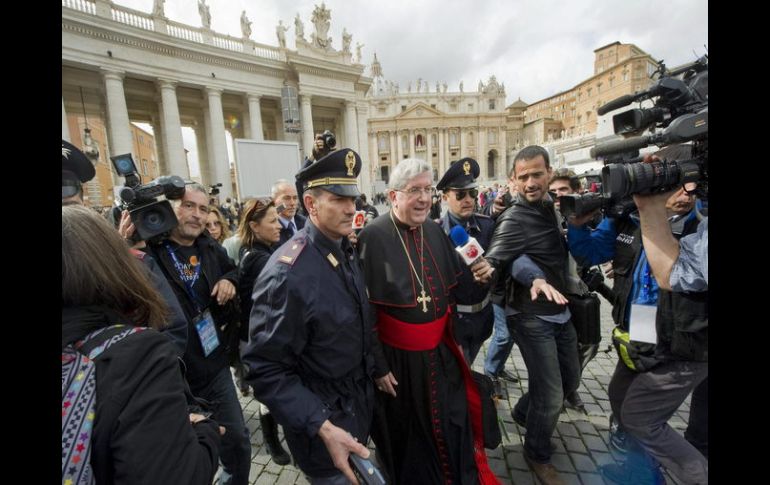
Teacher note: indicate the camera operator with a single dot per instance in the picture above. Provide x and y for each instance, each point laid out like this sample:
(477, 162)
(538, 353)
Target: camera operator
(77, 170)
(639, 402)
(204, 281)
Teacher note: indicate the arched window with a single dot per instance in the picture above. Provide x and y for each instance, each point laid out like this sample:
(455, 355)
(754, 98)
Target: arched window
(491, 162)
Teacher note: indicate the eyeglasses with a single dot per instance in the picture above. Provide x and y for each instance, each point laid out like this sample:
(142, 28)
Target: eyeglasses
(460, 194)
(415, 192)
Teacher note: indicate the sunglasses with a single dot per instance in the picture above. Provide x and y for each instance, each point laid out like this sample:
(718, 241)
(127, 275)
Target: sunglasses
(69, 188)
(460, 194)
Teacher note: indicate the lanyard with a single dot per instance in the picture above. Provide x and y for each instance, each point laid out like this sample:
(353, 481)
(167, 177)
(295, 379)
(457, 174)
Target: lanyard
(189, 285)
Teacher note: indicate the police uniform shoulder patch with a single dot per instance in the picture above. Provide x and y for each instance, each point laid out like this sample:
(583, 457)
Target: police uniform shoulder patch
(289, 252)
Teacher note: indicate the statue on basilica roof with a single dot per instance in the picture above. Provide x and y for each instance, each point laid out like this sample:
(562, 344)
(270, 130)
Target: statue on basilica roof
(245, 25)
(205, 14)
(299, 28)
(321, 20)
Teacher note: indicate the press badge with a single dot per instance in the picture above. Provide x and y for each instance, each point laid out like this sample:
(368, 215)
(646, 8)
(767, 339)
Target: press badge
(642, 325)
(207, 333)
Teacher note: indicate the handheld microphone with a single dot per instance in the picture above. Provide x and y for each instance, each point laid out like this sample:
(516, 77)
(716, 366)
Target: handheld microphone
(468, 247)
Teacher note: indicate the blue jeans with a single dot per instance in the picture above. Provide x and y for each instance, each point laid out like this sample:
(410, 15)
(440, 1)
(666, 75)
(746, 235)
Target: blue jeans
(235, 447)
(550, 354)
(500, 346)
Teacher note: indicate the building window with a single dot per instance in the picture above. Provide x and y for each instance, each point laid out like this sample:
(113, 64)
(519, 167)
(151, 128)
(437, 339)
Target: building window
(625, 76)
(588, 92)
(470, 106)
(470, 138)
(405, 143)
(491, 105)
(453, 138)
(453, 107)
(382, 144)
(491, 164)
(492, 137)
(144, 166)
(433, 139)
(403, 108)
(433, 106)
(381, 110)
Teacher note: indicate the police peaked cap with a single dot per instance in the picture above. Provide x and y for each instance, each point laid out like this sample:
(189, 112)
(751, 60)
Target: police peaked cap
(461, 174)
(76, 163)
(336, 172)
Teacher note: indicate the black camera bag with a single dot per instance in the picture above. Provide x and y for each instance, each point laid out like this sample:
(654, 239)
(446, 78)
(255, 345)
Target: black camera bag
(586, 317)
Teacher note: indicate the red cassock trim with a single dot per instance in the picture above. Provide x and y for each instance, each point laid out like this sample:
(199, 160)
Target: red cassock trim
(426, 336)
(410, 336)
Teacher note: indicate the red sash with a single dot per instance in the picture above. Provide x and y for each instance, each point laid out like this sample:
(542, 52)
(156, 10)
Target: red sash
(426, 336)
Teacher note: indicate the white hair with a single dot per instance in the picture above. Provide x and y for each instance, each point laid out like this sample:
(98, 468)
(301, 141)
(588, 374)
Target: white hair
(277, 186)
(406, 170)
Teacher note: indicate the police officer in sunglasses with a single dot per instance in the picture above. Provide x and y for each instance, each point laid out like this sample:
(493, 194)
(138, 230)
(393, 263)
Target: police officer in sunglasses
(474, 321)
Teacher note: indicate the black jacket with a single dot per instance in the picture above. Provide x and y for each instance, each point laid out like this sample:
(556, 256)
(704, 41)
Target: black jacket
(142, 431)
(252, 261)
(176, 328)
(216, 265)
(531, 229)
(286, 233)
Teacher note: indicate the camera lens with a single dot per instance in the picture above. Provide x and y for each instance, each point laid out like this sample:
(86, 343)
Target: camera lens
(621, 180)
(153, 220)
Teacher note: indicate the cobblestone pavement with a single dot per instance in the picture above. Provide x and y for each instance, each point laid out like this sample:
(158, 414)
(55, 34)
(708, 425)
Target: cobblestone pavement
(581, 439)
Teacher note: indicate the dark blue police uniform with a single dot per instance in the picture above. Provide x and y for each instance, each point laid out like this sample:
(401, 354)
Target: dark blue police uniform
(474, 320)
(308, 355)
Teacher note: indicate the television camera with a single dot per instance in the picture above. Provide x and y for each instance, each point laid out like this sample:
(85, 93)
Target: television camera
(152, 216)
(679, 115)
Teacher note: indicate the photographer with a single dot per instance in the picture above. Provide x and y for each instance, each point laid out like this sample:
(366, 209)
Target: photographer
(637, 385)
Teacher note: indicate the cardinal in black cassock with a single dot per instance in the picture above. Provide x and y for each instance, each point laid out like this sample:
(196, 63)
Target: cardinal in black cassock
(424, 434)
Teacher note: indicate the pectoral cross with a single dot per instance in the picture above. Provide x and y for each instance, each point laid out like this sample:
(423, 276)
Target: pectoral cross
(424, 299)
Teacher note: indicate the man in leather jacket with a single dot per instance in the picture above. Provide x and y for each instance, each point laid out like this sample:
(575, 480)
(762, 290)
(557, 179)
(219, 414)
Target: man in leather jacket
(541, 327)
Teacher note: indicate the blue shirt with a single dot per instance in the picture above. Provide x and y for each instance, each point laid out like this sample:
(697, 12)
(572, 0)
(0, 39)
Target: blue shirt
(691, 270)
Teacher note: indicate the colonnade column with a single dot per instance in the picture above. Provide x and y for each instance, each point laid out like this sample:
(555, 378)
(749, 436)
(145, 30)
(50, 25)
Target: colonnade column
(172, 130)
(220, 163)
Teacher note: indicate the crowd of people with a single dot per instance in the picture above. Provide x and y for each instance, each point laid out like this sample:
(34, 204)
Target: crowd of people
(349, 335)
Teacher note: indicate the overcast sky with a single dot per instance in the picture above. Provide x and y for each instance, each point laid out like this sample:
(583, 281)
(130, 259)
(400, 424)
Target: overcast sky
(536, 47)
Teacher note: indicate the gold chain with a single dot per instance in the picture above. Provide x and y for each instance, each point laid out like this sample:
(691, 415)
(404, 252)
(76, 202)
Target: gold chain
(409, 258)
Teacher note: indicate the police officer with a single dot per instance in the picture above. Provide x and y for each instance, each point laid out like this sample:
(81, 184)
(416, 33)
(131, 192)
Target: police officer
(308, 355)
(76, 169)
(475, 318)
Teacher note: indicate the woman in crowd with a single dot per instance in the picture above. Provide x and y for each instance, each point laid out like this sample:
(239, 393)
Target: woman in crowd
(259, 231)
(216, 225)
(142, 431)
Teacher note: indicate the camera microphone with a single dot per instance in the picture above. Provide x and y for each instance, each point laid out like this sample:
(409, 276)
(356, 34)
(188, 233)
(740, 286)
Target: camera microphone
(468, 247)
(615, 104)
(618, 146)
